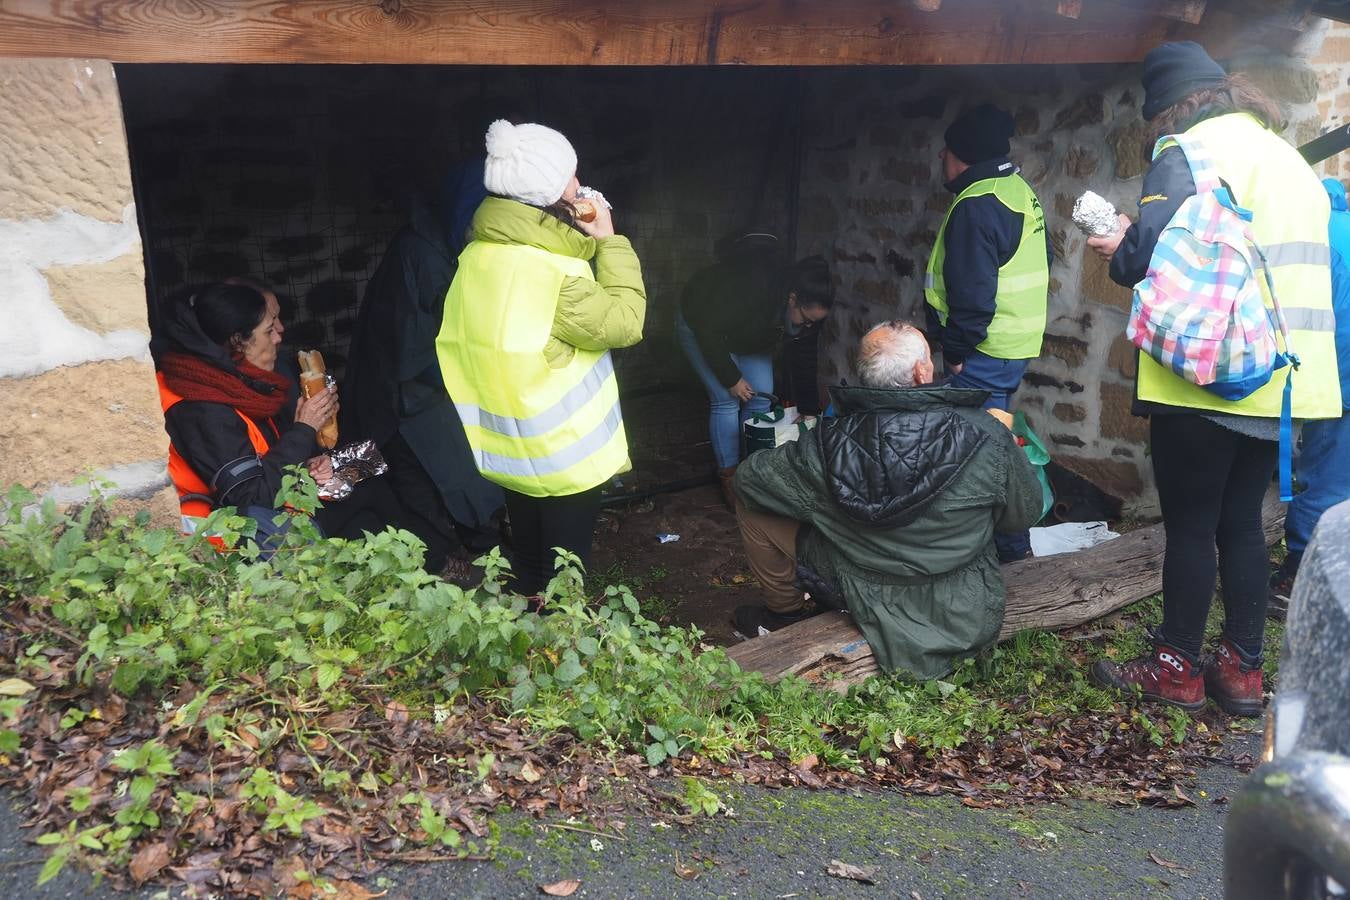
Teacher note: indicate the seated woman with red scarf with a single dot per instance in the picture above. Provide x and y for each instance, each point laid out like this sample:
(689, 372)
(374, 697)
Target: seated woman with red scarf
(235, 423)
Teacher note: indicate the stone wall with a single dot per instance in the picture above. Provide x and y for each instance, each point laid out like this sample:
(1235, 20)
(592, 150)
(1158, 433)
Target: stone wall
(1332, 65)
(301, 174)
(872, 201)
(75, 378)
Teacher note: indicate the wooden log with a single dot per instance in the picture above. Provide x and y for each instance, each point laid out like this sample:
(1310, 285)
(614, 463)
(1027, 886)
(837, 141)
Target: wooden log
(598, 32)
(1051, 592)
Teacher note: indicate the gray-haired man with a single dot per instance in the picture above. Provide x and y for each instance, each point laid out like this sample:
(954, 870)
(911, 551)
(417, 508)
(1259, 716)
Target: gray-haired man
(889, 511)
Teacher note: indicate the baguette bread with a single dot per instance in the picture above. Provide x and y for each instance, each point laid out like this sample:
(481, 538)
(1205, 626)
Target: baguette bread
(313, 379)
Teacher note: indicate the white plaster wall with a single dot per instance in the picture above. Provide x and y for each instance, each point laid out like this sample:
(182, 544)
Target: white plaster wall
(37, 335)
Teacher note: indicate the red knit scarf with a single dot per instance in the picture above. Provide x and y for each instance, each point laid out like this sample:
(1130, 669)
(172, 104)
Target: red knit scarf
(193, 378)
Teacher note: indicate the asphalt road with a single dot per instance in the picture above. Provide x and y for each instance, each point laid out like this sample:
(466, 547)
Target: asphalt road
(779, 844)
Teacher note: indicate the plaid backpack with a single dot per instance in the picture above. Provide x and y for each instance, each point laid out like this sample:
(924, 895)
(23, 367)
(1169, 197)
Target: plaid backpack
(1200, 310)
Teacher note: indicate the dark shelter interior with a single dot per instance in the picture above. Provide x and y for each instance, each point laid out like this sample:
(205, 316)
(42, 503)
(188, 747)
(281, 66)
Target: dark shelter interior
(300, 175)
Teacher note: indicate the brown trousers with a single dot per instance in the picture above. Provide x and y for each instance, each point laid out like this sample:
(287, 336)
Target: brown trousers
(771, 548)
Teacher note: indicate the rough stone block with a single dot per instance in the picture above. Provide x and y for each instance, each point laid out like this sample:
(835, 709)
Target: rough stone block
(1120, 479)
(1068, 412)
(1080, 162)
(102, 296)
(52, 439)
(1116, 420)
(1123, 357)
(1096, 284)
(906, 171)
(62, 140)
(1073, 351)
(1283, 79)
(1027, 121)
(1127, 146)
(885, 136)
(1089, 109)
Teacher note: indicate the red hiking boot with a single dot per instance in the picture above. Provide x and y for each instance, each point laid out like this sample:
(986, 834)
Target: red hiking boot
(1233, 684)
(1163, 675)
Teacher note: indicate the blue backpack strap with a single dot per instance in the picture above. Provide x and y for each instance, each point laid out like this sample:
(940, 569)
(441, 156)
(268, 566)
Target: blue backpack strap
(1287, 436)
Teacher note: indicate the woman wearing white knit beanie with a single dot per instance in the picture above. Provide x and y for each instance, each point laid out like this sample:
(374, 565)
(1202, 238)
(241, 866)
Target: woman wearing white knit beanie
(539, 299)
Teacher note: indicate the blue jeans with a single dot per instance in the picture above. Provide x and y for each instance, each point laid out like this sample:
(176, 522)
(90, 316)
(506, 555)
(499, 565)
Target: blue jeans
(1323, 470)
(1000, 377)
(726, 412)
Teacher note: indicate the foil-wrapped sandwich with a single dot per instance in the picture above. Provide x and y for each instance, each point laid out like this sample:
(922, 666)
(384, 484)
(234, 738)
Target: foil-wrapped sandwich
(1095, 215)
(352, 465)
(587, 198)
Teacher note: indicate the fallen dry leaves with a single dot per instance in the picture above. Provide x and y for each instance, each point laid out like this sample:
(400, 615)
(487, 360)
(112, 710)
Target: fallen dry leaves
(358, 763)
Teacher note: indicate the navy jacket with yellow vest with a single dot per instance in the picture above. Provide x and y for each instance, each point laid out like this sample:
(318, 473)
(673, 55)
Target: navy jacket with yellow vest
(1290, 211)
(524, 348)
(972, 302)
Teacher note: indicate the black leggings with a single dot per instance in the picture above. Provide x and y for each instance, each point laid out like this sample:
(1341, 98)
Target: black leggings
(1211, 482)
(538, 524)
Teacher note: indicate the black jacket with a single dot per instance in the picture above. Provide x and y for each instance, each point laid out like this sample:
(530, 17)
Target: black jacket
(1167, 184)
(214, 440)
(981, 236)
(392, 384)
(739, 305)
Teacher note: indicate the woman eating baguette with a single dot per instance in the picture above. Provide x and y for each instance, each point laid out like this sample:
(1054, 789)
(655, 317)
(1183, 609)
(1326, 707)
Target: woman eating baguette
(236, 422)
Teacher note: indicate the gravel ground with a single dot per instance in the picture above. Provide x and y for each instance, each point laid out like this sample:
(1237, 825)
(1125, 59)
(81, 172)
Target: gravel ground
(779, 844)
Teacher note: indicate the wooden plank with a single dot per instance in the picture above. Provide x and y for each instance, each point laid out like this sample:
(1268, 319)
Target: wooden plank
(1188, 11)
(592, 32)
(1052, 592)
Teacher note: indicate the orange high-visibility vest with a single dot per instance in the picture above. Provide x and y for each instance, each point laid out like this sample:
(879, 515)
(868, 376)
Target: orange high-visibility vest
(194, 495)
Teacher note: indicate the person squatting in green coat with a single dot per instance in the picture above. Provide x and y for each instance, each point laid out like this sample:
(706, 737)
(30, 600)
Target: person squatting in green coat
(525, 340)
(889, 511)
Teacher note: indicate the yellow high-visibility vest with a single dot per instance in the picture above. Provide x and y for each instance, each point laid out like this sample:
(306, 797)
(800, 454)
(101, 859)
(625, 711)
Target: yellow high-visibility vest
(1290, 212)
(1023, 281)
(533, 429)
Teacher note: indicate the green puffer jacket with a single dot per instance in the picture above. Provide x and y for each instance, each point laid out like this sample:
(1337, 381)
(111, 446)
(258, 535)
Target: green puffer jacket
(604, 314)
(900, 496)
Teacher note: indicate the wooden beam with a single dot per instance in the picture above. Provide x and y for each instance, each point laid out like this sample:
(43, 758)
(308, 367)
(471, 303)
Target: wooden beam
(1052, 592)
(1188, 11)
(593, 32)
(1070, 9)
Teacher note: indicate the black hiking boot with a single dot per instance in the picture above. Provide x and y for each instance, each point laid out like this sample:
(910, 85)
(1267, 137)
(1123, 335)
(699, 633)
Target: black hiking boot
(754, 620)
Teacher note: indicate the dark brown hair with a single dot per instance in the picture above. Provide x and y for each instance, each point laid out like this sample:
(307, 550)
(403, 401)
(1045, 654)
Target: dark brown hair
(562, 210)
(1236, 94)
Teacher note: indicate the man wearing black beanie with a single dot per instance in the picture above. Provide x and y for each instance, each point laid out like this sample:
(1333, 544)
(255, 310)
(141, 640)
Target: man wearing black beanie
(989, 274)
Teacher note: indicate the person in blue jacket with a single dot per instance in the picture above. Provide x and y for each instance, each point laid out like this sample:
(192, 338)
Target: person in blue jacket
(1322, 468)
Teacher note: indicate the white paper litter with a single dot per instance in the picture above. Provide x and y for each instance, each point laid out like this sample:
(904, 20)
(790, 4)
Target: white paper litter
(1068, 537)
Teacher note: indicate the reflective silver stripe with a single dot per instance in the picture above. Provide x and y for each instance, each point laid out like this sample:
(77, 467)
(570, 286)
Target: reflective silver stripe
(545, 421)
(1007, 283)
(928, 280)
(1298, 253)
(1301, 318)
(559, 460)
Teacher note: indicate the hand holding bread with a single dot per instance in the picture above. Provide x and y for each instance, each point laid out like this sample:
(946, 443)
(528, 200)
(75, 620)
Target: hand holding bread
(318, 405)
